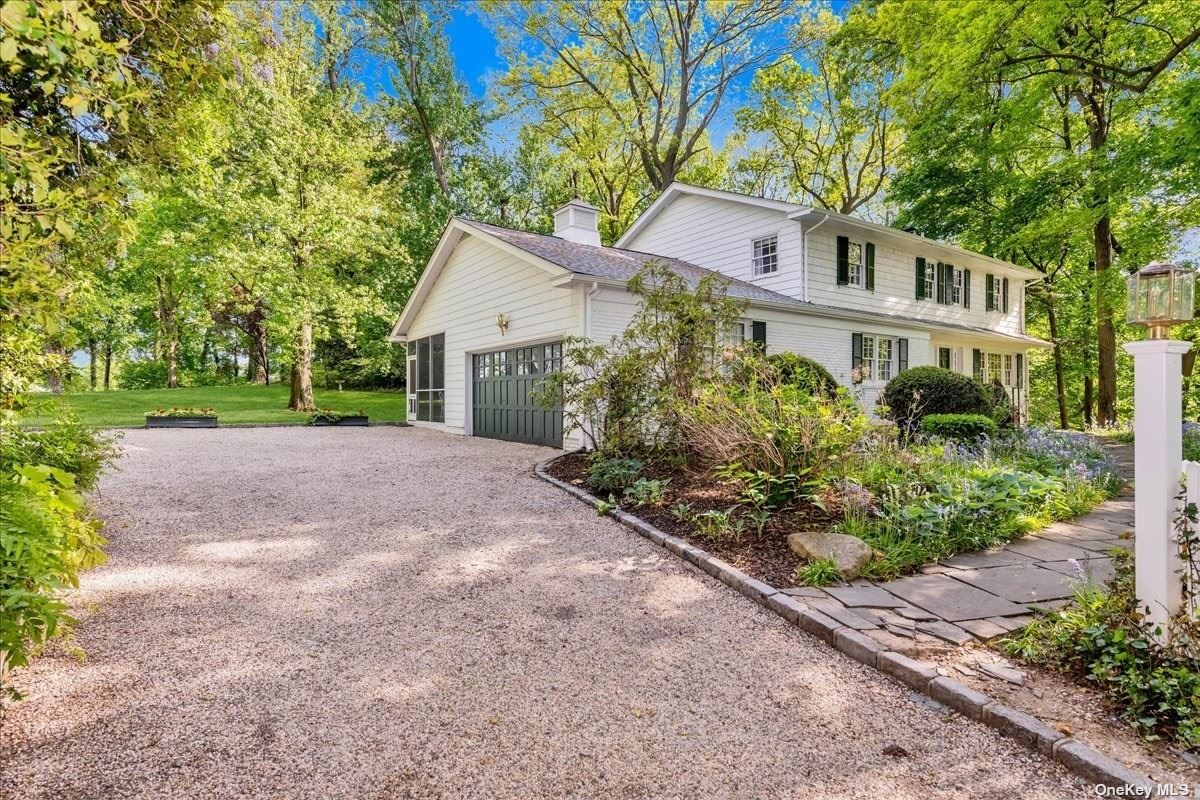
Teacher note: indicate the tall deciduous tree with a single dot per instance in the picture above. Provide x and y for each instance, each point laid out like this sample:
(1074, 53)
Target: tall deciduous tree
(1114, 65)
(832, 134)
(661, 72)
(295, 183)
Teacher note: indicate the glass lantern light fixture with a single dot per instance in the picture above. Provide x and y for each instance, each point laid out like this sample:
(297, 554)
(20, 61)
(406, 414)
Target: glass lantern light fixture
(1160, 295)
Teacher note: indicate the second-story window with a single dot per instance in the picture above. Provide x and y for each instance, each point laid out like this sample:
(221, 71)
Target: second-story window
(766, 255)
(855, 263)
(956, 288)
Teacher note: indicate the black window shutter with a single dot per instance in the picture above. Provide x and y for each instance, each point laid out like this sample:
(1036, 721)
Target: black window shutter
(902, 349)
(944, 357)
(940, 279)
(920, 278)
(843, 260)
(989, 293)
(966, 288)
(870, 265)
(758, 332)
(1020, 371)
(855, 350)
(1004, 294)
(977, 364)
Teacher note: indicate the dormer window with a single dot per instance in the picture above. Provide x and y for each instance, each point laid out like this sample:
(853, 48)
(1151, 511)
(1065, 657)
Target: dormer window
(766, 255)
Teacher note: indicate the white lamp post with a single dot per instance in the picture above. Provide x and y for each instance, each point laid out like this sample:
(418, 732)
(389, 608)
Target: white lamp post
(1160, 295)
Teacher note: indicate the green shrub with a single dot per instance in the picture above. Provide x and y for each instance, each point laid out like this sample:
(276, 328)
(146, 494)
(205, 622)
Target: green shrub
(624, 396)
(962, 427)
(921, 391)
(1001, 408)
(46, 537)
(1101, 638)
(66, 444)
(918, 503)
(1191, 441)
(646, 491)
(145, 374)
(804, 373)
(613, 474)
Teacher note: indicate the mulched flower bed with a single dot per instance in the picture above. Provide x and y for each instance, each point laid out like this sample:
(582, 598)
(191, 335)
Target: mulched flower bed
(767, 558)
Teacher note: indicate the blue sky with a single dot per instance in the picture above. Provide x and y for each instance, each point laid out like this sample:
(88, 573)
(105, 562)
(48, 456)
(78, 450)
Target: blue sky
(475, 54)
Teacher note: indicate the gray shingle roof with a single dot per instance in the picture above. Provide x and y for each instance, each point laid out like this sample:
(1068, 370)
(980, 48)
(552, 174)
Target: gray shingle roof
(614, 263)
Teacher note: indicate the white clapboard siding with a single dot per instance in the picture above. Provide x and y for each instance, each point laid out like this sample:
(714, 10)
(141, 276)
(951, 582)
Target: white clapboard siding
(896, 286)
(717, 234)
(826, 340)
(478, 282)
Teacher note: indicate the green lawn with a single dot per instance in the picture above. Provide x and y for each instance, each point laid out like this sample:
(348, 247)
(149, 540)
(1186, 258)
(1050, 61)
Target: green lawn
(233, 404)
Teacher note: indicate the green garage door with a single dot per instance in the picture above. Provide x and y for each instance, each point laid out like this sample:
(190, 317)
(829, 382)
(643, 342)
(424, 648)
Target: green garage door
(503, 387)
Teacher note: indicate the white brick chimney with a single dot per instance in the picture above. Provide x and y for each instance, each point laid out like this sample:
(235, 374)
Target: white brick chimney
(579, 222)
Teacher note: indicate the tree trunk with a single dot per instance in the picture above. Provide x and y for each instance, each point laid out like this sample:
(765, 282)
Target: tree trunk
(1095, 113)
(168, 324)
(302, 392)
(1060, 384)
(92, 363)
(107, 364)
(1106, 336)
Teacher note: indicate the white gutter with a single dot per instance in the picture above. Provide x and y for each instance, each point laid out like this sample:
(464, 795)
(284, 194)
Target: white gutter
(804, 251)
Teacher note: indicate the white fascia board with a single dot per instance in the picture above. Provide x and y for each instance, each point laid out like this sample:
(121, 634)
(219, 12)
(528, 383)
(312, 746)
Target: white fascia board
(1012, 269)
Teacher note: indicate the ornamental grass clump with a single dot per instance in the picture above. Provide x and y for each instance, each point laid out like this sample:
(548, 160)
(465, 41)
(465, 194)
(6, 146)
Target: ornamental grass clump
(769, 437)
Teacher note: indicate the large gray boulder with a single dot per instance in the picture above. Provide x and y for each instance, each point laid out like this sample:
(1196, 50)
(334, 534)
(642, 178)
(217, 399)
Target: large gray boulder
(849, 553)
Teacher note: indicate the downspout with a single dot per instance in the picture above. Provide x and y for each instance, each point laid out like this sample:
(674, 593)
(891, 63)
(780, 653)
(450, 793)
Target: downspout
(804, 252)
(592, 291)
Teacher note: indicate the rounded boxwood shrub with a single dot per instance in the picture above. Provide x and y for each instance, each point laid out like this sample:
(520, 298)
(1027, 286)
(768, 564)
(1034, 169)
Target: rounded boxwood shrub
(921, 391)
(803, 373)
(962, 427)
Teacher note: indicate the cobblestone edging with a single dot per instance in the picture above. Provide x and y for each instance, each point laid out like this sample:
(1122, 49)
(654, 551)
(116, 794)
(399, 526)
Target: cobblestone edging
(1077, 757)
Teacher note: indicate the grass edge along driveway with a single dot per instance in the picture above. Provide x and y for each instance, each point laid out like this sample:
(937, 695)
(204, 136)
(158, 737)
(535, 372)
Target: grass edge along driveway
(245, 404)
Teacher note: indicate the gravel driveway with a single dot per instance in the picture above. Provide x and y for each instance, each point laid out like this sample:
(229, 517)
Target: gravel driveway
(390, 612)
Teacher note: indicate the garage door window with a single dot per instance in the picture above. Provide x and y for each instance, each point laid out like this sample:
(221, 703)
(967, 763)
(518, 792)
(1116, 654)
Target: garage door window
(429, 388)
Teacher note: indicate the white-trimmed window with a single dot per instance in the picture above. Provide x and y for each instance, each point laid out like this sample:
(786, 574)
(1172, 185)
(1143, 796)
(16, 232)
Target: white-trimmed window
(992, 372)
(950, 358)
(1008, 370)
(854, 258)
(956, 288)
(879, 358)
(766, 255)
(734, 335)
(930, 280)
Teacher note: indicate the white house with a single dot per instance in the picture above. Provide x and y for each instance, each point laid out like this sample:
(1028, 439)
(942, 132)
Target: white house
(489, 313)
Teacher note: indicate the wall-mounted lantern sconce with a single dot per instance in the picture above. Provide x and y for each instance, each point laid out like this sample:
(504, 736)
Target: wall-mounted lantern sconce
(502, 323)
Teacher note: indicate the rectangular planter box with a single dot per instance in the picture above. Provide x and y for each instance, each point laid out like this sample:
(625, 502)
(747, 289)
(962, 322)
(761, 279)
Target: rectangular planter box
(181, 422)
(344, 422)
